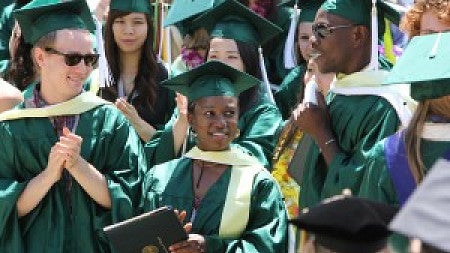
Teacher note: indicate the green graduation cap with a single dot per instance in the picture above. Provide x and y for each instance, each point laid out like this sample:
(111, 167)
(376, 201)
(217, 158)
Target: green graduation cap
(213, 78)
(359, 11)
(142, 6)
(424, 64)
(232, 20)
(40, 17)
(309, 10)
(185, 10)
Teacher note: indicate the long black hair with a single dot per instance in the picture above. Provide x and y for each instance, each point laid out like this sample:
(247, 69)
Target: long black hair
(148, 73)
(250, 58)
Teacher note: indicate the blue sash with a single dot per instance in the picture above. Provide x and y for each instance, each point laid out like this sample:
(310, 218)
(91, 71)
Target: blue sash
(398, 167)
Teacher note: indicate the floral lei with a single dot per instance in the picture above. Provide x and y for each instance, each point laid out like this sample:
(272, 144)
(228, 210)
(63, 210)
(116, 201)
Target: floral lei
(191, 57)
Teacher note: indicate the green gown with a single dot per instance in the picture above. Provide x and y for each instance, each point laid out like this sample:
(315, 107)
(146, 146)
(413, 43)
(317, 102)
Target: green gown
(358, 122)
(275, 50)
(377, 183)
(258, 126)
(109, 144)
(287, 96)
(171, 184)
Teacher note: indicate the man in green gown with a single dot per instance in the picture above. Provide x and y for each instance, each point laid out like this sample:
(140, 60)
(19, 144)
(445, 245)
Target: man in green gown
(344, 126)
(255, 219)
(70, 162)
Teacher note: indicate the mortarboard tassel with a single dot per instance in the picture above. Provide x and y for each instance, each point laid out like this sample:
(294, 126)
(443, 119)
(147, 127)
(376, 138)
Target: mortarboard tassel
(290, 60)
(374, 55)
(262, 66)
(105, 78)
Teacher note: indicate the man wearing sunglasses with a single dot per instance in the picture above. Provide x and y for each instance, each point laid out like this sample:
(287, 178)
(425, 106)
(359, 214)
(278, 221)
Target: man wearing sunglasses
(69, 161)
(344, 126)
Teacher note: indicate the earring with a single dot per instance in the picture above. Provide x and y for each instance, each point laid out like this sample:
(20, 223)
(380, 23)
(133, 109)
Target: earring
(238, 133)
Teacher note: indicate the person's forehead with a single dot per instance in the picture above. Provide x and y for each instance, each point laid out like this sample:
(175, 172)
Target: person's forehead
(329, 18)
(75, 40)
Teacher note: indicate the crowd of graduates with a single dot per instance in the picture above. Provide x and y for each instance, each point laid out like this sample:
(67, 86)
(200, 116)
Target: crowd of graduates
(291, 126)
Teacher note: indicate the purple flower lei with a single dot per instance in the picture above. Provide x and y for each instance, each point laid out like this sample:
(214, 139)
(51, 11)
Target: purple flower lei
(191, 57)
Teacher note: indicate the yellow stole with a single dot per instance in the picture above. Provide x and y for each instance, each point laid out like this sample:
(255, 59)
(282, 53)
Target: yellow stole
(370, 82)
(77, 105)
(236, 210)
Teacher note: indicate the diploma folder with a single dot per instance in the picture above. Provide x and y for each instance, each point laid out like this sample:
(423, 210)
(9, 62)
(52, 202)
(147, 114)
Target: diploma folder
(151, 232)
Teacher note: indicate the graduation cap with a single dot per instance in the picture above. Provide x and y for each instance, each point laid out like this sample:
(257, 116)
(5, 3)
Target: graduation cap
(40, 17)
(348, 224)
(309, 10)
(424, 64)
(142, 6)
(426, 214)
(183, 11)
(213, 78)
(232, 20)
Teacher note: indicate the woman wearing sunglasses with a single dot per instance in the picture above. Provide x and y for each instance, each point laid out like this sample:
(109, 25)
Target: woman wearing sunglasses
(136, 75)
(231, 201)
(234, 41)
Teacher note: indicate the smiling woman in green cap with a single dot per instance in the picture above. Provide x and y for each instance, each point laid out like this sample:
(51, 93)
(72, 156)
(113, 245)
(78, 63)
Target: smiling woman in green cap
(233, 203)
(235, 34)
(136, 74)
(61, 178)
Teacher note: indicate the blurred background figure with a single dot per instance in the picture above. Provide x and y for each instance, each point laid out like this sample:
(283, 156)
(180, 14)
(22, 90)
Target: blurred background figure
(425, 218)
(345, 224)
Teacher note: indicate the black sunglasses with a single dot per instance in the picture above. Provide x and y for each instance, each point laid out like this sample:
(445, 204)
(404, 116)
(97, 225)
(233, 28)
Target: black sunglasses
(324, 30)
(72, 59)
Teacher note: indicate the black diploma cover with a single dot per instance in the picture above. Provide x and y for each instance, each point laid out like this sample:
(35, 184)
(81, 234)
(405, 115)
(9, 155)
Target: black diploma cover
(152, 232)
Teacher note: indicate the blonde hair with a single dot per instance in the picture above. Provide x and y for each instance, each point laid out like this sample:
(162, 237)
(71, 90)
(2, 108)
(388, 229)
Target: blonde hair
(413, 137)
(410, 23)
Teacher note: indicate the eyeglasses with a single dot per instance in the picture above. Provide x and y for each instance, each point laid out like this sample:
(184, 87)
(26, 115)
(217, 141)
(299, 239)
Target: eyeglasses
(73, 59)
(324, 30)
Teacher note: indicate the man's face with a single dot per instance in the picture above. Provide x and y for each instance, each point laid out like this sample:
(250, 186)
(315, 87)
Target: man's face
(65, 81)
(331, 42)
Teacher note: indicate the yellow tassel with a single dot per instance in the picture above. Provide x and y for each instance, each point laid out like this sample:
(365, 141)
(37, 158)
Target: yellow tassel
(388, 43)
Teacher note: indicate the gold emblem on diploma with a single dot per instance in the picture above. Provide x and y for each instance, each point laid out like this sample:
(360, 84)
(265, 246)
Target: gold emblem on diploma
(150, 249)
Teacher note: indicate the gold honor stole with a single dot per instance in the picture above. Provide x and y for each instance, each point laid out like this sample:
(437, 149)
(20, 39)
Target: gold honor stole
(77, 105)
(244, 168)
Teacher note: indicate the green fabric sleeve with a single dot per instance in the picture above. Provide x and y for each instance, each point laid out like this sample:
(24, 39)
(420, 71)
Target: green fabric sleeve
(287, 96)
(358, 122)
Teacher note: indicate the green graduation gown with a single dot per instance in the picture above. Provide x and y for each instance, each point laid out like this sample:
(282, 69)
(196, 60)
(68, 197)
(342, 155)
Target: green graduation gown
(287, 96)
(358, 122)
(258, 126)
(377, 183)
(171, 184)
(60, 223)
(274, 51)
